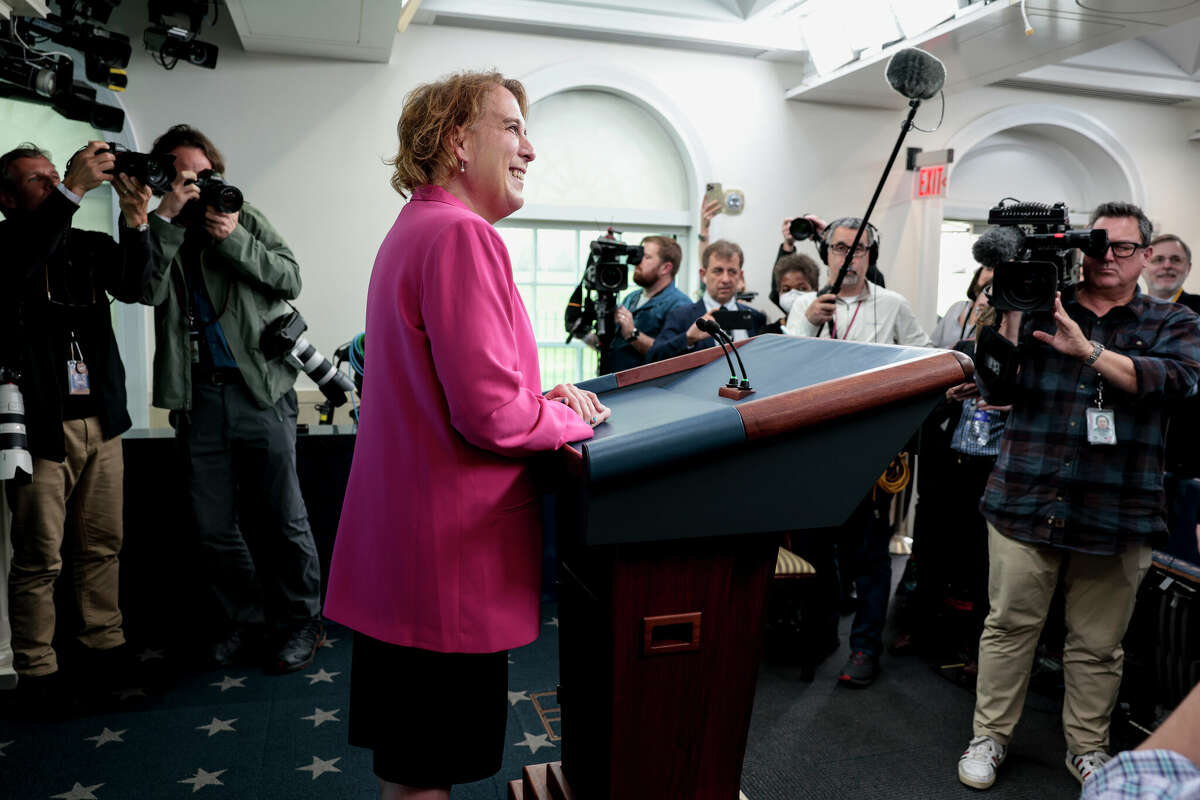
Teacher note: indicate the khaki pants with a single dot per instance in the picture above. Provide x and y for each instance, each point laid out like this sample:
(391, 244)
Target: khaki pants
(76, 504)
(1100, 593)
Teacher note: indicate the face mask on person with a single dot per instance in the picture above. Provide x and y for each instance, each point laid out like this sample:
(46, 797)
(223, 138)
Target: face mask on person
(789, 299)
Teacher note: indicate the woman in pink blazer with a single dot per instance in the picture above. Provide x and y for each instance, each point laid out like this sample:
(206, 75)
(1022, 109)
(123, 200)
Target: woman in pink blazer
(438, 554)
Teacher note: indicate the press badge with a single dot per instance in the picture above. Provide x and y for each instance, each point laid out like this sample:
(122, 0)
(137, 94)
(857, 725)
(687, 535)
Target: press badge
(77, 371)
(1101, 426)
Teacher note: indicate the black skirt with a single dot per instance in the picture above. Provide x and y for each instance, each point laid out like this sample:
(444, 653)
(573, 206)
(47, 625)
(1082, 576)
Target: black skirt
(431, 719)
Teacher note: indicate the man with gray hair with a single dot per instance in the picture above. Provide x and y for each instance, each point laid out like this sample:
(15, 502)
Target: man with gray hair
(1166, 271)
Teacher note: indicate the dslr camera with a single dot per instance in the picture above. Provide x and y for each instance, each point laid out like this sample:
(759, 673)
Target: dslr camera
(1036, 245)
(155, 171)
(215, 192)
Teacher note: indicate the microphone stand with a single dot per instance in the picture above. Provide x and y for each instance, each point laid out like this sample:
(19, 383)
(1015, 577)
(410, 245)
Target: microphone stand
(905, 126)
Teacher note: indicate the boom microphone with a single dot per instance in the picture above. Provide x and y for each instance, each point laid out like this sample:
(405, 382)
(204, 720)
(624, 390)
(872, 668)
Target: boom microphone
(916, 74)
(998, 245)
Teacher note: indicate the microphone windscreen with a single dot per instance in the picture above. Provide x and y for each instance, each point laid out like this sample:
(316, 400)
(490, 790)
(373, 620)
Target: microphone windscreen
(998, 245)
(916, 74)
(707, 325)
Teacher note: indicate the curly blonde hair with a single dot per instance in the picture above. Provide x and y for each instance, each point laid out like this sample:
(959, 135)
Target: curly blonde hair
(431, 111)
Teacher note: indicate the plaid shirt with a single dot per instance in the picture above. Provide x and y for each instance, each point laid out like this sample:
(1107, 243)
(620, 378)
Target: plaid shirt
(1145, 775)
(1049, 485)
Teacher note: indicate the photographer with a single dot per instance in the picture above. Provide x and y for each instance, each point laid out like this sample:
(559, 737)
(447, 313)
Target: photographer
(217, 278)
(793, 226)
(1064, 503)
(721, 272)
(55, 328)
(643, 311)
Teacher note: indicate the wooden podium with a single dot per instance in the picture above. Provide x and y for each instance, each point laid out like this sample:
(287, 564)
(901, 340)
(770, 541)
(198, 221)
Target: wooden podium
(669, 523)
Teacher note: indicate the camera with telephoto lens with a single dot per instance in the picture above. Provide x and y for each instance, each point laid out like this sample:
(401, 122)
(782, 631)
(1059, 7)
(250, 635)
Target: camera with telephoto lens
(802, 228)
(15, 461)
(284, 336)
(1040, 255)
(155, 171)
(608, 266)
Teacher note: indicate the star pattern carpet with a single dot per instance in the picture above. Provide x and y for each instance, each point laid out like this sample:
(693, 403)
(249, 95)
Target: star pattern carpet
(240, 733)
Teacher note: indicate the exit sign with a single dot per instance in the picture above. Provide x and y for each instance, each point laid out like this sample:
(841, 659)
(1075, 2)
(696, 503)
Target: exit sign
(930, 181)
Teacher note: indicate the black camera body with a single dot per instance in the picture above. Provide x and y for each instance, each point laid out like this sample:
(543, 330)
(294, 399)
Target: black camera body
(218, 194)
(155, 171)
(284, 336)
(608, 266)
(1043, 263)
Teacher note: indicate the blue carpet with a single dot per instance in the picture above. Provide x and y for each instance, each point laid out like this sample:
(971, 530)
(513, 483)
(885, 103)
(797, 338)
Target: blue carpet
(240, 733)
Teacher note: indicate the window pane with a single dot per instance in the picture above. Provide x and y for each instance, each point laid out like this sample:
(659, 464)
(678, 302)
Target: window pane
(520, 251)
(557, 254)
(548, 320)
(559, 364)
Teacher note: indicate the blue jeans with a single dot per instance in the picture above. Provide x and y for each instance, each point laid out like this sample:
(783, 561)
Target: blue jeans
(868, 526)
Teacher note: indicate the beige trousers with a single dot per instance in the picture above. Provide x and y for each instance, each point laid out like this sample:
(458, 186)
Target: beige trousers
(77, 505)
(1100, 593)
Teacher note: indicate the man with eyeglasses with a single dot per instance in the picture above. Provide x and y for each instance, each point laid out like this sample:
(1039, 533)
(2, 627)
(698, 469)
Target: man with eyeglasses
(1164, 275)
(862, 311)
(1167, 270)
(1074, 501)
(55, 328)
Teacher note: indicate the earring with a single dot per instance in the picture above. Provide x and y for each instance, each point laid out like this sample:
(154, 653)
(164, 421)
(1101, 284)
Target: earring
(462, 165)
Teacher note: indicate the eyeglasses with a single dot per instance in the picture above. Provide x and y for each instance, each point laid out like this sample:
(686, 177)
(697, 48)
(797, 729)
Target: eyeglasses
(1157, 260)
(1125, 249)
(842, 248)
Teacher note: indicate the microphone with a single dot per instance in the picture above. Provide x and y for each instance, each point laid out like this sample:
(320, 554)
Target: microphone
(998, 245)
(916, 74)
(713, 327)
(714, 330)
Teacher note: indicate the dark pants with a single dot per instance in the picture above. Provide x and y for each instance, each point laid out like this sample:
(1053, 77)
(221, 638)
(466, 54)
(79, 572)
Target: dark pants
(258, 549)
(868, 527)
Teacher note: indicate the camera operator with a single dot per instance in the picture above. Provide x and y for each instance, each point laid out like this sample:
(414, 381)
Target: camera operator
(721, 272)
(643, 311)
(1064, 503)
(55, 328)
(217, 278)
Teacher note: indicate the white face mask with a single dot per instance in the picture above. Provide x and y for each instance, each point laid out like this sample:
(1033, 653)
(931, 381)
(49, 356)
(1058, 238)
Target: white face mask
(789, 299)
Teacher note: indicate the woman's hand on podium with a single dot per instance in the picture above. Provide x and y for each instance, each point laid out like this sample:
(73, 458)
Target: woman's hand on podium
(584, 403)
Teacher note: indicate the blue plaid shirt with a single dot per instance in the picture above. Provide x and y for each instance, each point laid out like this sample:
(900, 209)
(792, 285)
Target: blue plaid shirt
(1049, 485)
(1145, 775)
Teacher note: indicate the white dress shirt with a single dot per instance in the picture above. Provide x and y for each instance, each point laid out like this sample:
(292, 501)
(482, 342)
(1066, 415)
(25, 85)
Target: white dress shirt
(712, 305)
(876, 315)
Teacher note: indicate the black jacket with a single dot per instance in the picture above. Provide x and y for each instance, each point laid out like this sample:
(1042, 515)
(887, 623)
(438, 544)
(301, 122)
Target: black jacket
(80, 265)
(672, 339)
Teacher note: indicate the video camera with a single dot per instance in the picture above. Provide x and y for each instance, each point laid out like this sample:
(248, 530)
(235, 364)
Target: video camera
(1032, 265)
(593, 305)
(49, 78)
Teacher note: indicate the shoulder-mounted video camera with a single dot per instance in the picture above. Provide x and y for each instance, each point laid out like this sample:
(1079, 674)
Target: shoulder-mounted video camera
(1032, 252)
(608, 265)
(593, 304)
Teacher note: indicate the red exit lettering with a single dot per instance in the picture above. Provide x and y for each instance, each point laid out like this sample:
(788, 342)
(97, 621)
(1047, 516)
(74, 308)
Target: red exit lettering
(930, 181)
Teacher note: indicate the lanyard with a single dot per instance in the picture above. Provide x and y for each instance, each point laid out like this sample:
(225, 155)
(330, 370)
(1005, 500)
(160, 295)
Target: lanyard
(833, 323)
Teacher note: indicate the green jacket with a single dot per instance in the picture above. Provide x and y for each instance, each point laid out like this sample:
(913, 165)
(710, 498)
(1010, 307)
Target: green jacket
(257, 270)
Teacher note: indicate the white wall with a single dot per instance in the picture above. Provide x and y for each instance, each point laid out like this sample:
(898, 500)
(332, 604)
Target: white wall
(305, 139)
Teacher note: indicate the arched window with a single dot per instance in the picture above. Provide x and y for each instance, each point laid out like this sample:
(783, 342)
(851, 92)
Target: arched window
(601, 160)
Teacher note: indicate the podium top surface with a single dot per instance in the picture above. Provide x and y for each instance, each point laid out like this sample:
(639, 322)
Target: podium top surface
(670, 410)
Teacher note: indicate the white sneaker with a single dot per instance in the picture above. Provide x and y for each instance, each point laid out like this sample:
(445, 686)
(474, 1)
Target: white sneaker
(977, 765)
(1086, 765)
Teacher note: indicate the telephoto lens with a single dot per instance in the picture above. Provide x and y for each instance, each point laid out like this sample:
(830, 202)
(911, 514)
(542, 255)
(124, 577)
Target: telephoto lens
(15, 461)
(332, 382)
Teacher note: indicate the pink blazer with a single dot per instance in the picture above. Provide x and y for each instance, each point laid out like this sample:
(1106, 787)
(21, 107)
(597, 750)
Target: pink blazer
(439, 543)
